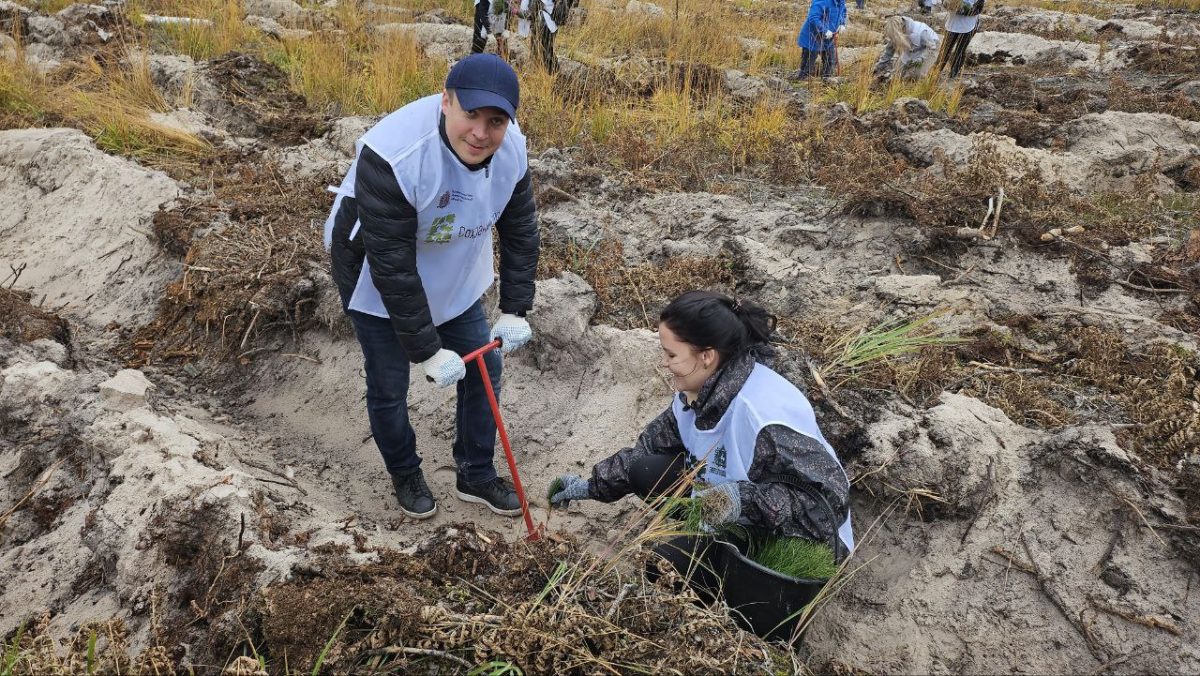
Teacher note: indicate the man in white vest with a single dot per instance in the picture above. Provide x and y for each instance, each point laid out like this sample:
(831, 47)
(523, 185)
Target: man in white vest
(410, 237)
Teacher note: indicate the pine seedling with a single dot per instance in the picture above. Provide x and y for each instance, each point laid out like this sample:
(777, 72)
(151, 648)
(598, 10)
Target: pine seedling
(795, 557)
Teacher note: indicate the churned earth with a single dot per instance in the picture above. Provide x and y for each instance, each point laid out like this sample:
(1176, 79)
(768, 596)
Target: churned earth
(188, 473)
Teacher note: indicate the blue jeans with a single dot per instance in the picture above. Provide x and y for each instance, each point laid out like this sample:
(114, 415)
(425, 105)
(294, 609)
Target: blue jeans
(387, 367)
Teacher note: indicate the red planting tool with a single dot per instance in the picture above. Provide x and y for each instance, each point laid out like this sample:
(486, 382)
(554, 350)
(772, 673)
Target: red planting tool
(477, 357)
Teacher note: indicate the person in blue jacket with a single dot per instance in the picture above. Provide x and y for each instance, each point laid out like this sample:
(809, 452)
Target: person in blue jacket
(825, 19)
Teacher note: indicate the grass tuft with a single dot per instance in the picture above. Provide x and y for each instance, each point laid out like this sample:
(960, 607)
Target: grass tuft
(861, 347)
(112, 105)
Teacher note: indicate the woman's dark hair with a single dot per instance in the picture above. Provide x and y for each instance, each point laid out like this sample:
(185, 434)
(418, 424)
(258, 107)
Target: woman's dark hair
(706, 320)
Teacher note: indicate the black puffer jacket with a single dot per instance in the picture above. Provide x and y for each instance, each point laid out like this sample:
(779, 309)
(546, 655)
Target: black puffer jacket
(795, 487)
(387, 238)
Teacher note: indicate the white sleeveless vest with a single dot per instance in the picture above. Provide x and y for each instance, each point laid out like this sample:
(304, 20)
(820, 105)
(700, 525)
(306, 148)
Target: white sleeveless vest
(766, 398)
(456, 207)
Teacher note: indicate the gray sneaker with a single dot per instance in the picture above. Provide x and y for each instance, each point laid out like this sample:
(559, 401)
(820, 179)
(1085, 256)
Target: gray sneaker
(498, 494)
(416, 500)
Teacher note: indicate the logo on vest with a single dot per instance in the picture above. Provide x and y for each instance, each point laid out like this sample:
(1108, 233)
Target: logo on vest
(717, 464)
(477, 231)
(453, 196)
(441, 230)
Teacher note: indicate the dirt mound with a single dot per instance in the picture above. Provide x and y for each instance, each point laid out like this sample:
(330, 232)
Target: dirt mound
(1064, 528)
(238, 94)
(1099, 151)
(257, 269)
(96, 209)
(74, 32)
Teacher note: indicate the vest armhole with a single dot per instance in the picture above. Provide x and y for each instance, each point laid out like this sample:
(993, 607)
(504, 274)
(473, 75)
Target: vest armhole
(404, 189)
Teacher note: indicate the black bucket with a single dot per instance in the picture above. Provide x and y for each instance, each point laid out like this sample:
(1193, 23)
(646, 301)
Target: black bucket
(761, 600)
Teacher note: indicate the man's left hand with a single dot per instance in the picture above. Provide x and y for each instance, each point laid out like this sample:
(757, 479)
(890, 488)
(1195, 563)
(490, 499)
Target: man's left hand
(513, 332)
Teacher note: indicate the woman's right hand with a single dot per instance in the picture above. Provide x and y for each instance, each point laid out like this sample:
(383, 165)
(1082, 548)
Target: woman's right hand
(568, 487)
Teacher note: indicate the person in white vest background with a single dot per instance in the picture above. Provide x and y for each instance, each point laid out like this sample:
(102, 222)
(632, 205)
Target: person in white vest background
(910, 48)
(410, 238)
(541, 18)
(961, 25)
(766, 464)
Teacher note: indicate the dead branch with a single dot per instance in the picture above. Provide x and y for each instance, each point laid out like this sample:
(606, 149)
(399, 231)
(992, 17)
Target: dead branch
(1059, 602)
(1013, 560)
(29, 495)
(15, 274)
(1117, 537)
(122, 264)
(1142, 516)
(287, 480)
(1148, 289)
(1006, 369)
(250, 328)
(1113, 662)
(1151, 621)
(825, 390)
(988, 493)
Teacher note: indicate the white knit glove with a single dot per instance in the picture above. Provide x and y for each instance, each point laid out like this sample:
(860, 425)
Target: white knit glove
(445, 368)
(720, 504)
(513, 332)
(828, 35)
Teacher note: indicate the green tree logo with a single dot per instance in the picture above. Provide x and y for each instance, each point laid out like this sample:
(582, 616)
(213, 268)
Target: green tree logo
(441, 230)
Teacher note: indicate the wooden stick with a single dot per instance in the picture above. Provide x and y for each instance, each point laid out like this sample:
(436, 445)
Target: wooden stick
(1059, 602)
(29, 495)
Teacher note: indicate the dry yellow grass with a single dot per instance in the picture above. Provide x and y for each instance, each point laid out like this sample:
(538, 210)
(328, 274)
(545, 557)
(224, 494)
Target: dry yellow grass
(362, 75)
(111, 105)
(864, 93)
(691, 31)
(1100, 11)
(219, 28)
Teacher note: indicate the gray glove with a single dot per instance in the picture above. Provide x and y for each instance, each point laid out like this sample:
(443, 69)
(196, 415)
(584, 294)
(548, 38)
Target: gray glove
(570, 487)
(720, 504)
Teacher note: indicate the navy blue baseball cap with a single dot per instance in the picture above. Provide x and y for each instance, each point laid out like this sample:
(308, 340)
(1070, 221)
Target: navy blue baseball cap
(485, 80)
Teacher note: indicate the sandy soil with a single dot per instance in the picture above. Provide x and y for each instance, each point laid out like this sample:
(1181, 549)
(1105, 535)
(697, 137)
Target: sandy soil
(986, 544)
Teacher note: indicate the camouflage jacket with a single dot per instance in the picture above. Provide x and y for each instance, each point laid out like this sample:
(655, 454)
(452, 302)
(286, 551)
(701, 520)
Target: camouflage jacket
(795, 487)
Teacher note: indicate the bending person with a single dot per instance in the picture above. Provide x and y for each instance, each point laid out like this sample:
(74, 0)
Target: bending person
(909, 50)
(767, 466)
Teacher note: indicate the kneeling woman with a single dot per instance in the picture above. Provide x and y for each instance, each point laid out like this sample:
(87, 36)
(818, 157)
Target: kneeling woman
(766, 465)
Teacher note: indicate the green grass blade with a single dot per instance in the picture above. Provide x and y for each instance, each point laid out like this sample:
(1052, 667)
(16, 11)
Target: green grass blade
(555, 578)
(496, 668)
(329, 644)
(13, 653)
(91, 653)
